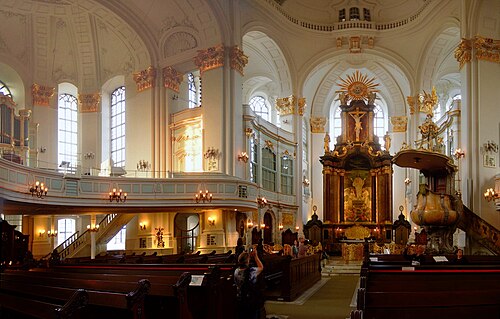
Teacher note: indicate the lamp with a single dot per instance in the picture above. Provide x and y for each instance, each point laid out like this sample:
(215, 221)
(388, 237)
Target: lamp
(490, 195)
(38, 189)
(243, 157)
(262, 226)
(41, 233)
(143, 166)
(211, 221)
(250, 224)
(203, 197)
(52, 233)
(262, 201)
(281, 227)
(94, 228)
(297, 228)
(119, 196)
(306, 182)
(89, 155)
(142, 225)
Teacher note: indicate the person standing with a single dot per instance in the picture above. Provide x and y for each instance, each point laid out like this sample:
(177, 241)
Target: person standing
(249, 297)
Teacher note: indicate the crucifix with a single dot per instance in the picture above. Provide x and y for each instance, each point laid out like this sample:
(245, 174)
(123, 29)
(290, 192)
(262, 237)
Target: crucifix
(357, 118)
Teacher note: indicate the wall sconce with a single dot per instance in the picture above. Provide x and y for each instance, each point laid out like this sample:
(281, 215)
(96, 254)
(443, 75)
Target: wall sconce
(262, 202)
(297, 228)
(243, 157)
(203, 197)
(306, 182)
(93, 229)
(52, 233)
(280, 227)
(142, 225)
(143, 166)
(211, 221)
(249, 224)
(41, 233)
(490, 195)
(119, 196)
(38, 189)
(490, 146)
(459, 153)
(89, 155)
(211, 153)
(43, 149)
(262, 226)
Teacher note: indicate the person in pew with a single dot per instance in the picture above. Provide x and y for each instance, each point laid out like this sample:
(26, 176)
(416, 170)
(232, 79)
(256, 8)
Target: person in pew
(250, 300)
(459, 257)
(295, 249)
(239, 248)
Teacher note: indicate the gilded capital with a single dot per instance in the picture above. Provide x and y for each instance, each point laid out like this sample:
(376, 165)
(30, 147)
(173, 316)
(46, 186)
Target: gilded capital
(317, 124)
(171, 78)
(487, 49)
(301, 106)
(238, 59)
(210, 58)
(399, 123)
(145, 79)
(286, 105)
(42, 94)
(463, 52)
(89, 103)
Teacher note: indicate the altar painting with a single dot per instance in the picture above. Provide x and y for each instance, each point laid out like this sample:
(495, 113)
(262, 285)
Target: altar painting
(357, 196)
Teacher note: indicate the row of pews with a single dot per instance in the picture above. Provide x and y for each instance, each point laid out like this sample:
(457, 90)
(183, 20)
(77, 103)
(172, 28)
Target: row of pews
(140, 286)
(392, 286)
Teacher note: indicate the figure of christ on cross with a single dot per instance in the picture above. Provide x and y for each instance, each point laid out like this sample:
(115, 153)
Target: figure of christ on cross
(357, 115)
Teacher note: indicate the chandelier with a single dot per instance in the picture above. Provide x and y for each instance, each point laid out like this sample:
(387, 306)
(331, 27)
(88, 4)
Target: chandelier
(262, 202)
(119, 196)
(143, 166)
(39, 190)
(490, 194)
(203, 197)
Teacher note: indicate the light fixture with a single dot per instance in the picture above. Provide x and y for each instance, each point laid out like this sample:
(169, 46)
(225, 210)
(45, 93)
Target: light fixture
(306, 182)
(281, 227)
(89, 155)
(211, 153)
(262, 202)
(41, 233)
(119, 196)
(94, 228)
(52, 233)
(211, 221)
(143, 166)
(142, 225)
(262, 226)
(459, 153)
(297, 228)
(38, 189)
(243, 157)
(203, 197)
(250, 224)
(490, 195)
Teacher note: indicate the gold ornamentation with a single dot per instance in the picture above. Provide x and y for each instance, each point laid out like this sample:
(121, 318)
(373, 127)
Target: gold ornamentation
(89, 102)
(171, 78)
(424, 101)
(269, 145)
(317, 124)
(286, 105)
(356, 87)
(210, 58)
(287, 219)
(399, 123)
(145, 79)
(327, 143)
(357, 232)
(42, 94)
(357, 115)
(336, 153)
(355, 44)
(463, 52)
(430, 135)
(411, 104)
(249, 132)
(238, 59)
(301, 106)
(487, 49)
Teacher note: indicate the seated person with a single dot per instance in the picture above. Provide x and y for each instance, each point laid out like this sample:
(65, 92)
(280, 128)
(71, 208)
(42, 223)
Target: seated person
(459, 257)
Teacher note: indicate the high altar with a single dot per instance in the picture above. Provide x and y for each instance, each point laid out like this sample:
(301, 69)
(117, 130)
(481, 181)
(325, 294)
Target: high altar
(357, 173)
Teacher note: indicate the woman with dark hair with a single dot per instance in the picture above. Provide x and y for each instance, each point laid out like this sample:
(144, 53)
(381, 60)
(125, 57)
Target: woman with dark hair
(239, 248)
(250, 300)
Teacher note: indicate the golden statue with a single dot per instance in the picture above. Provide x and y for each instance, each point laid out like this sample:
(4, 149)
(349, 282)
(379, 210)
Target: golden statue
(327, 143)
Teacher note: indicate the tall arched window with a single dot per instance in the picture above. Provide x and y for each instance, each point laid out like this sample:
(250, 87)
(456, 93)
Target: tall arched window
(68, 132)
(4, 89)
(379, 122)
(259, 106)
(117, 127)
(268, 170)
(65, 228)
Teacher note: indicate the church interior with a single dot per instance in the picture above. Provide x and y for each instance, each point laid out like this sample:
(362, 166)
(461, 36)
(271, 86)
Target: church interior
(150, 139)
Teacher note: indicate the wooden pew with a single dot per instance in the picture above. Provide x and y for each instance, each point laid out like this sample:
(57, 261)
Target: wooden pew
(429, 290)
(13, 304)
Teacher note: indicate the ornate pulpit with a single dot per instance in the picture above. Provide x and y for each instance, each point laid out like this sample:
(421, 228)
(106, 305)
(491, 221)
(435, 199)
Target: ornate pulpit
(357, 173)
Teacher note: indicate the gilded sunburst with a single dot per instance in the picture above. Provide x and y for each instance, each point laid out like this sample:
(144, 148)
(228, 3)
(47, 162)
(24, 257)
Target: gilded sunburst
(357, 86)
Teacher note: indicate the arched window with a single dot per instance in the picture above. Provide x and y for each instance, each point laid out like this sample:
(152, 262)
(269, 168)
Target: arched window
(367, 15)
(186, 231)
(259, 106)
(193, 91)
(65, 228)
(117, 127)
(379, 126)
(287, 175)
(4, 89)
(437, 113)
(68, 132)
(118, 241)
(254, 161)
(353, 13)
(341, 15)
(268, 170)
